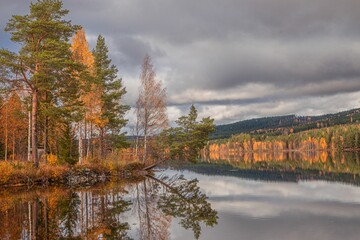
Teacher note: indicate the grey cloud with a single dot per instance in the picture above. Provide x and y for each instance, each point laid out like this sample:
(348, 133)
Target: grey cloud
(305, 52)
(187, 21)
(277, 63)
(129, 51)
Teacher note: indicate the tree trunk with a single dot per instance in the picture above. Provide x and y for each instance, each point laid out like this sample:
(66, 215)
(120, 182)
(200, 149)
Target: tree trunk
(34, 112)
(29, 138)
(145, 148)
(80, 143)
(45, 130)
(102, 143)
(45, 139)
(91, 148)
(6, 129)
(13, 147)
(85, 138)
(137, 129)
(137, 146)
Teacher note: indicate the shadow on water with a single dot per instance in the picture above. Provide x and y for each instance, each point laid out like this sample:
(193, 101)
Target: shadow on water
(118, 210)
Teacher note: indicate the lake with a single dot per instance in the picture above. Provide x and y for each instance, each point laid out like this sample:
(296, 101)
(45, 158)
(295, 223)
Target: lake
(205, 201)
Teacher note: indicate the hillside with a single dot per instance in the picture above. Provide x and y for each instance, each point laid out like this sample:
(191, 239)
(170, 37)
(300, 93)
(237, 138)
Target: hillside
(284, 124)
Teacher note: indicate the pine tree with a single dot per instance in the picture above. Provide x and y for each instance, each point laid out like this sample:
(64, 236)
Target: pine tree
(186, 140)
(44, 62)
(67, 149)
(111, 120)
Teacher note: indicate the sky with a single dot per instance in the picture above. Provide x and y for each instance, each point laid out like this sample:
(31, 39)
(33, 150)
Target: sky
(233, 59)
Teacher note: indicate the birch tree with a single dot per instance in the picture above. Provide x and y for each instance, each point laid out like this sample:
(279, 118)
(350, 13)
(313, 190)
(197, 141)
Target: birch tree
(82, 55)
(151, 104)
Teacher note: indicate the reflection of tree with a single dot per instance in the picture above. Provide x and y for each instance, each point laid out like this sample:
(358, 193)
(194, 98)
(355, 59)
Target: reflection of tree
(116, 228)
(64, 214)
(159, 199)
(69, 213)
(102, 215)
(100, 212)
(153, 224)
(184, 200)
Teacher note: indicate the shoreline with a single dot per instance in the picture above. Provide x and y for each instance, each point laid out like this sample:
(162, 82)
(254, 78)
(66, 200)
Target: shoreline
(69, 176)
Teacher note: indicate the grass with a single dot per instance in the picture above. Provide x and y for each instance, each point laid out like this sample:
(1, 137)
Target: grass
(23, 173)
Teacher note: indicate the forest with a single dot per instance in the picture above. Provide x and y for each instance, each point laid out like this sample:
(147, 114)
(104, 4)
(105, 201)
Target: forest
(278, 125)
(62, 103)
(332, 149)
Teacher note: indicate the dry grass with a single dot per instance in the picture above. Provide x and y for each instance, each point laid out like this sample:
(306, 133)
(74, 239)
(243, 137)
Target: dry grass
(24, 173)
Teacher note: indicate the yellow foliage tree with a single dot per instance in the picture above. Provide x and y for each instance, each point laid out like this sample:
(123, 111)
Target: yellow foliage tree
(90, 93)
(13, 125)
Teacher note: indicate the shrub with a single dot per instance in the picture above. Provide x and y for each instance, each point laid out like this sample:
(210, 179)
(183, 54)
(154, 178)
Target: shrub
(6, 170)
(52, 160)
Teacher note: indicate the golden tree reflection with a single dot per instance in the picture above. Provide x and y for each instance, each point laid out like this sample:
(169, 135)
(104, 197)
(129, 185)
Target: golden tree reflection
(104, 212)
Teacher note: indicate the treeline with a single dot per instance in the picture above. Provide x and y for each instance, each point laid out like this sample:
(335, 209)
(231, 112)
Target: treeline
(327, 161)
(338, 138)
(274, 126)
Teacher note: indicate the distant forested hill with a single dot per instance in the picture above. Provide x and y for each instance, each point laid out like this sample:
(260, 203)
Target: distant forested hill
(284, 124)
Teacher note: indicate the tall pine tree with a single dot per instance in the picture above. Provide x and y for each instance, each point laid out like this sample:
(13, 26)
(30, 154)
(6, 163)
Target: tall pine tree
(111, 120)
(44, 62)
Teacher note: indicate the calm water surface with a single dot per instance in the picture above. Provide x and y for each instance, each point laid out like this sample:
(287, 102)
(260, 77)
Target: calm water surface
(223, 203)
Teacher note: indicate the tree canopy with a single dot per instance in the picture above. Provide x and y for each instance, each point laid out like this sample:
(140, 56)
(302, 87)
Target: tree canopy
(187, 139)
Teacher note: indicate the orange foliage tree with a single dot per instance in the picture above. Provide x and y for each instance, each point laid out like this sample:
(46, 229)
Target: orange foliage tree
(89, 92)
(13, 127)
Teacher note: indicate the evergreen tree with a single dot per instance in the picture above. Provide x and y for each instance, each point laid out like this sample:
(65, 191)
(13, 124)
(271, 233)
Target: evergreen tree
(186, 140)
(44, 62)
(113, 110)
(67, 148)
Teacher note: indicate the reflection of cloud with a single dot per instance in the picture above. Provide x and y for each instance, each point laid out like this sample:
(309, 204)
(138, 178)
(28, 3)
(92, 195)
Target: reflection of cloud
(270, 199)
(312, 210)
(269, 208)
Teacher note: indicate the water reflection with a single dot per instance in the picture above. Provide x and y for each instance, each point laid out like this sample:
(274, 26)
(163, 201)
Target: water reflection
(288, 165)
(59, 213)
(253, 209)
(322, 160)
(141, 209)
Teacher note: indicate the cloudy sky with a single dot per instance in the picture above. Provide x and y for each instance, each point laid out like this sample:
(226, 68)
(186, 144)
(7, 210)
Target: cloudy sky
(234, 59)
